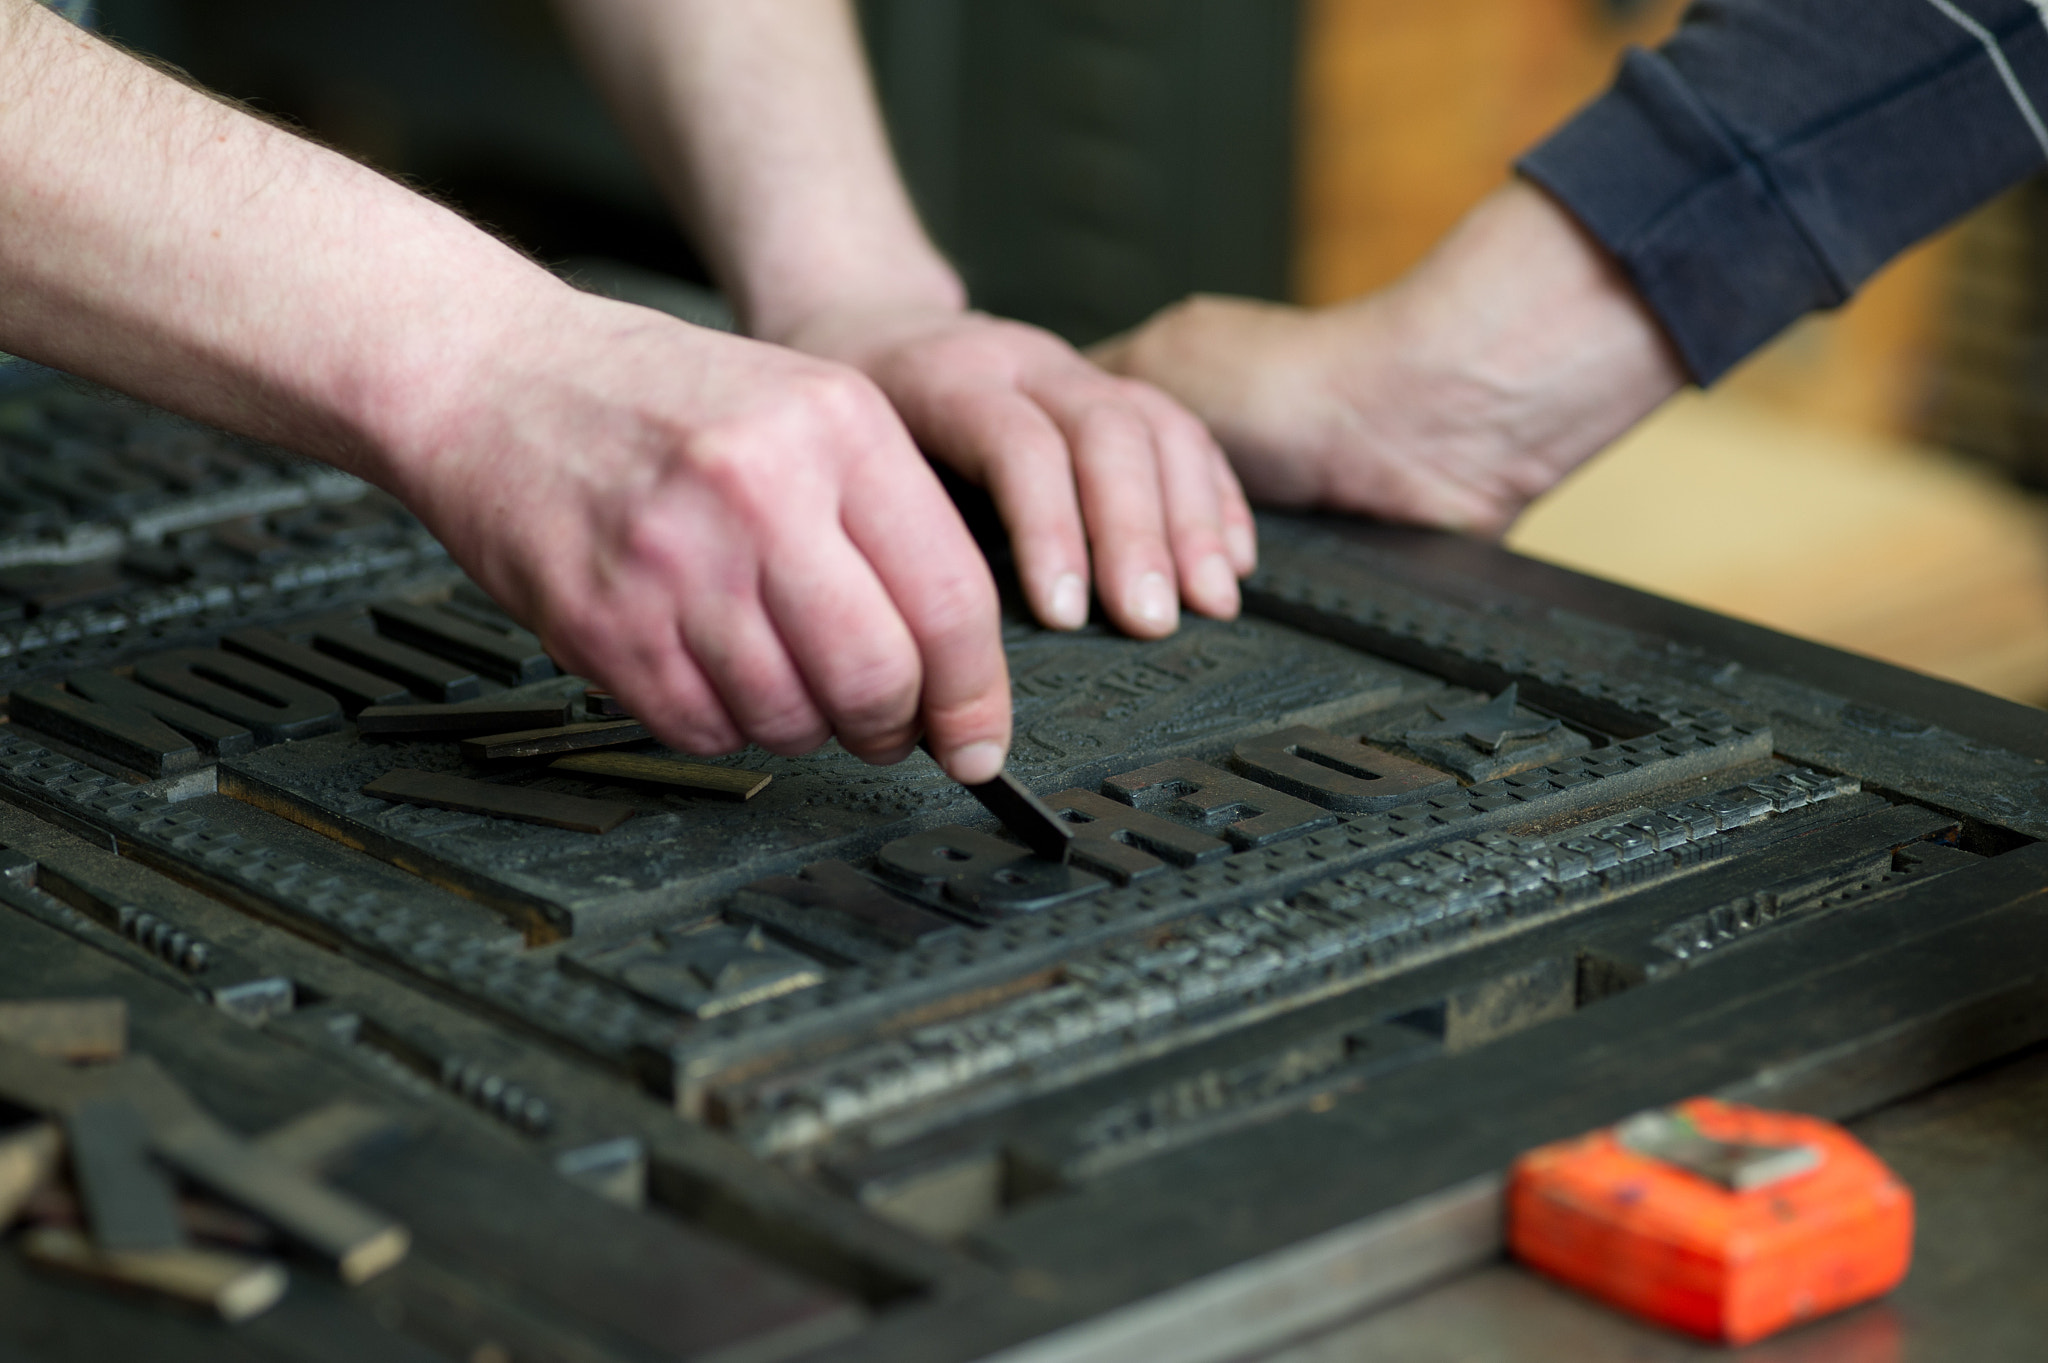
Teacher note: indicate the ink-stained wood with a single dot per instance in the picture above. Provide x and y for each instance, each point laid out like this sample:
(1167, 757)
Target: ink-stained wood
(458, 721)
(1116, 840)
(330, 1137)
(1246, 812)
(217, 734)
(564, 738)
(274, 707)
(66, 1029)
(692, 778)
(424, 674)
(351, 686)
(232, 1286)
(603, 705)
(505, 802)
(510, 655)
(1324, 769)
(128, 1200)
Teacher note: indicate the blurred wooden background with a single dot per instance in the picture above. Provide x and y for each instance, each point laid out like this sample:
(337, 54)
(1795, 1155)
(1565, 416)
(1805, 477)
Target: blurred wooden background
(1806, 491)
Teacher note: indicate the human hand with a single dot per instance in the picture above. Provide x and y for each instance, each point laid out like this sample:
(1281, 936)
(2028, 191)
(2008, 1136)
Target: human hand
(1082, 464)
(1452, 398)
(740, 541)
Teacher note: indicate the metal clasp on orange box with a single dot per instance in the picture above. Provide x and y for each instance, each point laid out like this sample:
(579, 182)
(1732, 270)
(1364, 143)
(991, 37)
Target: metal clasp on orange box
(1722, 1221)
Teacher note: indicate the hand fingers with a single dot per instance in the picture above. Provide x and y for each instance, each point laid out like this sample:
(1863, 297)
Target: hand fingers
(1010, 445)
(1195, 522)
(900, 519)
(855, 652)
(642, 660)
(1240, 529)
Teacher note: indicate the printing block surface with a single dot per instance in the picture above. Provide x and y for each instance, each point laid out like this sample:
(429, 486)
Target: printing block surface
(1432, 856)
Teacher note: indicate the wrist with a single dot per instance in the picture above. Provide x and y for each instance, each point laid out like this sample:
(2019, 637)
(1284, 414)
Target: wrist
(803, 309)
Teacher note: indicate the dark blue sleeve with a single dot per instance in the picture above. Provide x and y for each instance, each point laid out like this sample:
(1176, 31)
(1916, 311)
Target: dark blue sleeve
(1774, 153)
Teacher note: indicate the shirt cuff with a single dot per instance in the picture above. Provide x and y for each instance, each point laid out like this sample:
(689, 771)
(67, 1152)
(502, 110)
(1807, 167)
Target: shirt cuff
(1652, 174)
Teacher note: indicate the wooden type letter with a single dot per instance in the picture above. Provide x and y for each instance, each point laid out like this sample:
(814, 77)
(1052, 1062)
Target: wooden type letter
(429, 722)
(230, 1285)
(835, 909)
(129, 1202)
(132, 737)
(512, 656)
(982, 873)
(67, 1029)
(506, 802)
(1125, 843)
(673, 773)
(1251, 815)
(28, 1158)
(603, 705)
(565, 738)
(352, 686)
(423, 674)
(704, 971)
(1338, 774)
(276, 708)
(215, 734)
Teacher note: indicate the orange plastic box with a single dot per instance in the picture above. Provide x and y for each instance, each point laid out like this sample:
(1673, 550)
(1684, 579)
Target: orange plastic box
(1723, 1221)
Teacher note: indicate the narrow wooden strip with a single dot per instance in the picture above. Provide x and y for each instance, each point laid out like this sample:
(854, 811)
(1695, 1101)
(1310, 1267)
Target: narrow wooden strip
(562, 739)
(510, 655)
(230, 1285)
(458, 721)
(67, 1029)
(698, 778)
(361, 1243)
(506, 802)
(28, 1157)
(603, 705)
(329, 1137)
(128, 1199)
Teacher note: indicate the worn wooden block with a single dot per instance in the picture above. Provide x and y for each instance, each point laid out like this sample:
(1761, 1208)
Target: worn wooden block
(28, 1158)
(329, 1138)
(67, 1029)
(232, 1286)
(506, 802)
(128, 1200)
(603, 705)
(359, 1242)
(507, 654)
(563, 738)
(352, 686)
(458, 721)
(422, 673)
(694, 778)
(274, 707)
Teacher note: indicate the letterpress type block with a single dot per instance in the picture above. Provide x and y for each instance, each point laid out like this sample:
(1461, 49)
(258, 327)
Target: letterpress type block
(428, 722)
(981, 873)
(351, 686)
(1249, 814)
(1125, 843)
(506, 802)
(565, 738)
(670, 773)
(837, 910)
(1338, 773)
(705, 971)
(422, 673)
(510, 655)
(273, 706)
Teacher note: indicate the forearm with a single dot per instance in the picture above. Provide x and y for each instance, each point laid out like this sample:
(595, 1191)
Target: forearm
(168, 244)
(759, 120)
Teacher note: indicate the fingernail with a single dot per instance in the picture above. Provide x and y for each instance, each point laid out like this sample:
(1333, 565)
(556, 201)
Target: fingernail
(1216, 584)
(1069, 601)
(1242, 543)
(1153, 601)
(976, 763)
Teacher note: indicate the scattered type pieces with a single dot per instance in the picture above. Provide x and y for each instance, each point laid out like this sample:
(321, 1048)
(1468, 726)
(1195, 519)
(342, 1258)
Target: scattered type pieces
(127, 1198)
(696, 778)
(359, 1242)
(561, 739)
(67, 1029)
(232, 1286)
(28, 1158)
(1025, 816)
(459, 793)
(429, 722)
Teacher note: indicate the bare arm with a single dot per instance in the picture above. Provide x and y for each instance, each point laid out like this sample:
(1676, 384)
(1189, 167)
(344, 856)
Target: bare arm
(1453, 397)
(741, 541)
(759, 119)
